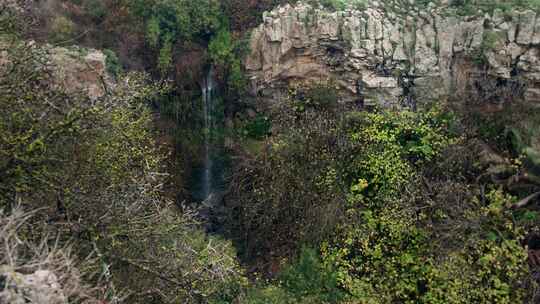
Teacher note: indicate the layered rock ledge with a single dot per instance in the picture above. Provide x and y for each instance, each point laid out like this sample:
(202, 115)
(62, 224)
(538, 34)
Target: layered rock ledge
(386, 56)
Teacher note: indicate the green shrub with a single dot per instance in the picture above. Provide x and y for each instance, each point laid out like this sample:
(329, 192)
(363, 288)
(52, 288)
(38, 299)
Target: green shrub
(153, 32)
(112, 62)
(305, 281)
(236, 79)
(490, 267)
(488, 273)
(384, 256)
(475, 7)
(394, 143)
(338, 5)
(257, 128)
(268, 295)
(62, 29)
(314, 158)
(380, 259)
(221, 47)
(96, 9)
(309, 278)
(165, 59)
(176, 22)
(321, 95)
(180, 19)
(225, 54)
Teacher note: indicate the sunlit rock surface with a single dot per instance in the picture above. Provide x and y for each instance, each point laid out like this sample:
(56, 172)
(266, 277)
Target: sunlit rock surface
(82, 70)
(40, 287)
(382, 53)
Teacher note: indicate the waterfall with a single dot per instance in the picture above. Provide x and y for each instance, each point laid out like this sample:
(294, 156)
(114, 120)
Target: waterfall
(208, 109)
(208, 175)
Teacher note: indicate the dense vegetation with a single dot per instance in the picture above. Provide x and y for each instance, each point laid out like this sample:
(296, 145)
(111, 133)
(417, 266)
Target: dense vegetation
(328, 202)
(391, 205)
(91, 176)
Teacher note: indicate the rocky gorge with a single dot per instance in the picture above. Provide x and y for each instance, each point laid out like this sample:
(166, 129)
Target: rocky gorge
(270, 151)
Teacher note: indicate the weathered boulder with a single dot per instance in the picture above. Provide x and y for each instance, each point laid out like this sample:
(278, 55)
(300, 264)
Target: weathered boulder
(80, 70)
(77, 70)
(40, 287)
(374, 52)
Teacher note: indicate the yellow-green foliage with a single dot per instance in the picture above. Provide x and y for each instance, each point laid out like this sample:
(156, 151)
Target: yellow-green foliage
(339, 4)
(393, 143)
(381, 256)
(384, 256)
(93, 169)
(490, 272)
(268, 295)
(225, 54)
(175, 22)
(473, 7)
(321, 95)
(306, 280)
(62, 29)
(321, 162)
(490, 269)
(126, 144)
(165, 57)
(384, 245)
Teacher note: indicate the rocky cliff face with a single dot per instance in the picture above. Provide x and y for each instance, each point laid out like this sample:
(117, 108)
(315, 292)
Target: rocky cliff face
(74, 69)
(384, 55)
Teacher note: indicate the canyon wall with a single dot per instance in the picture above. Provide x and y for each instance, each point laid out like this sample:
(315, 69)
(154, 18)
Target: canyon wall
(387, 54)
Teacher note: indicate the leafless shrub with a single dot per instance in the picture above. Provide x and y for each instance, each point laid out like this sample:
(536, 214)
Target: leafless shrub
(38, 267)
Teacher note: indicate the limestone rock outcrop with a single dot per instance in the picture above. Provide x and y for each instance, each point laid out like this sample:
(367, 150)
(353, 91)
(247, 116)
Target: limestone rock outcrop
(384, 55)
(75, 69)
(40, 287)
(80, 70)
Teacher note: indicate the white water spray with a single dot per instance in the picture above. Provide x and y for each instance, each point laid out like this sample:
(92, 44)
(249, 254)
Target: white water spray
(208, 109)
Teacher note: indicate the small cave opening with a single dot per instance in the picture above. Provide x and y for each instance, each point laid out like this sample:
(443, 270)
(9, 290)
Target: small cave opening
(501, 82)
(334, 50)
(383, 70)
(533, 242)
(408, 97)
(497, 90)
(514, 72)
(334, 55)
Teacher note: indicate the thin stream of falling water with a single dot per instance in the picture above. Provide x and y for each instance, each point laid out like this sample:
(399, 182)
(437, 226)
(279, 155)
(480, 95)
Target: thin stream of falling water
(208, 108)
